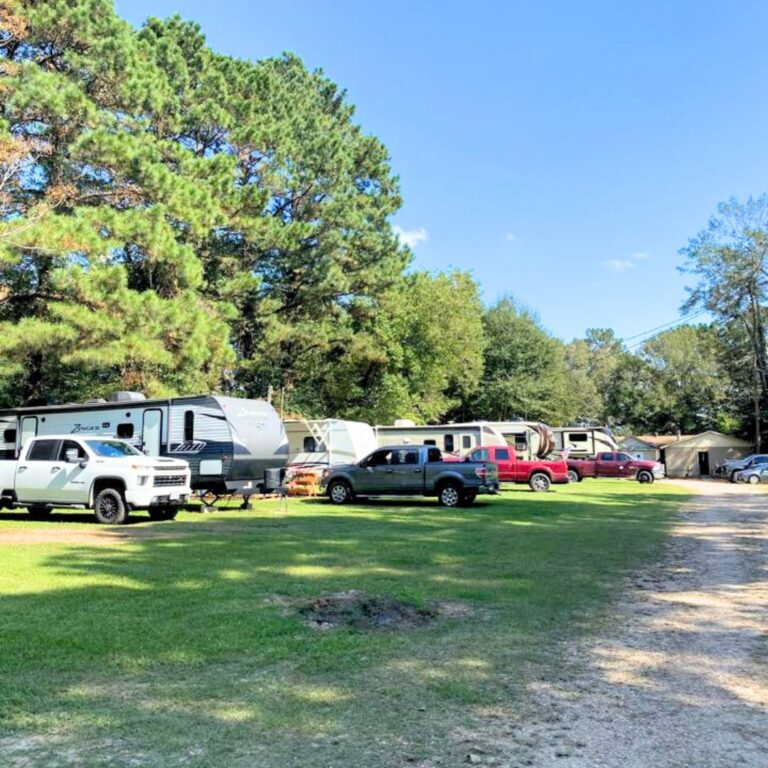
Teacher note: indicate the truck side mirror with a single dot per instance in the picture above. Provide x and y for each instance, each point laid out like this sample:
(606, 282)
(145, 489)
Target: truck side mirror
(83, 463)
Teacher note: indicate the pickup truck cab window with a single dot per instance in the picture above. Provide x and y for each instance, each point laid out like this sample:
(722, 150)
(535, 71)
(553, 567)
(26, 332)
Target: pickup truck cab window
(111, 448)
(623, 457)
(606, 457)
(480, 455)
(502, 454)
(43, 450)
(434, 455)
(71, 445)
(378, 459)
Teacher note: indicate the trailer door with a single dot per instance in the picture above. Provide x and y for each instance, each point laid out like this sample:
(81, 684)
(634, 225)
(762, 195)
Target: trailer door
(152, 431)
(28, 429)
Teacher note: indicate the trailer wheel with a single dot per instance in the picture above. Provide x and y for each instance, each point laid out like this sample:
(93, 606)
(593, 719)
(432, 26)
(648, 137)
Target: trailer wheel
(339, 492)
(109, 507)
(539, 482)
(39, 512)
(644, 476)
(449, 494)
(163, 513)
(573, 476)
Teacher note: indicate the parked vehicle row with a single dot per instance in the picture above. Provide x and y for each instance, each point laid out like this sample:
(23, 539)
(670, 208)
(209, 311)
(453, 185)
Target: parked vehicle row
(731, 467)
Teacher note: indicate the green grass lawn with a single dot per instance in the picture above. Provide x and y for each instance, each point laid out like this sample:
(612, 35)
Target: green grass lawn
(186, 648)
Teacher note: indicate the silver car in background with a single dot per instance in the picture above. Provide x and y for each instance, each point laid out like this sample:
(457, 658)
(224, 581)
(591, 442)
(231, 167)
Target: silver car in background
(757, 473)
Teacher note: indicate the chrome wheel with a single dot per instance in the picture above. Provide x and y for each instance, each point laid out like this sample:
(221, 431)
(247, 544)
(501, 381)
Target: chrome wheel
(338, 493)
(449, 496)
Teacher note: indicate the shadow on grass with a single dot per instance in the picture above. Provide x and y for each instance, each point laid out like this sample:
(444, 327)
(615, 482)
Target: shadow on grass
(165, 640)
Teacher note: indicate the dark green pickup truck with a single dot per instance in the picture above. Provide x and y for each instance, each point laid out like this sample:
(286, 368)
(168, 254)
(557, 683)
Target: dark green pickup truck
(411, 470)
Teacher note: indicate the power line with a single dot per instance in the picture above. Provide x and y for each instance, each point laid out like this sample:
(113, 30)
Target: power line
(678, 321)
(666, 326)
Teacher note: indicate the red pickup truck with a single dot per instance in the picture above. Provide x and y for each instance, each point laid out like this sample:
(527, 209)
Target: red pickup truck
(614, 464)
(538, 473)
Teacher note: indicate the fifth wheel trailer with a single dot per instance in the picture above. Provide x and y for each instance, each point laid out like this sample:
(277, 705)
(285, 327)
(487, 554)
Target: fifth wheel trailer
(230, 443)
(456, 439)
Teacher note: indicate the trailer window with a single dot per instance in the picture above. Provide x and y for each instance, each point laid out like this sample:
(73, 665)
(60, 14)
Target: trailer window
(449, 443)
(9, 436)
(466, 441)
(125, 431)
(189, 426)
(430, 442)
(578, 437)
(310, 445)
(42, 450)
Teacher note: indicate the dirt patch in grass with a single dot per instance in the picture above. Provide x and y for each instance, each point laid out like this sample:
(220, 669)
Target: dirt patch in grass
(356, 610)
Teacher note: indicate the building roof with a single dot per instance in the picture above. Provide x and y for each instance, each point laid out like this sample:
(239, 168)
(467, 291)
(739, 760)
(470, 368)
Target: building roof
(660, 441)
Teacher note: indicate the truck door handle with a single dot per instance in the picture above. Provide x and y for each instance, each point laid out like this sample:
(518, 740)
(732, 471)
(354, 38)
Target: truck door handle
(21, 469)
(55, 469)
(417, 471)
(389, 471)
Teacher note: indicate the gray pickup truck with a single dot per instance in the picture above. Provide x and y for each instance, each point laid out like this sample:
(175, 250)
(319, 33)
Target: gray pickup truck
(411, 470)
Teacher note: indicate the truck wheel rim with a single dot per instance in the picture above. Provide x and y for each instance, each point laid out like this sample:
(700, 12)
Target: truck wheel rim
(108, 508)
(339, 493)
(539, 483)
(450, 497)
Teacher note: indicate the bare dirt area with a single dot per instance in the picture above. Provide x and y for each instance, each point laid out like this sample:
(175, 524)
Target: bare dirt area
(682, 678)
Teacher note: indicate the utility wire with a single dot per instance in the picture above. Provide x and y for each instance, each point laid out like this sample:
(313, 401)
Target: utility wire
(677, 323)
(683, 319)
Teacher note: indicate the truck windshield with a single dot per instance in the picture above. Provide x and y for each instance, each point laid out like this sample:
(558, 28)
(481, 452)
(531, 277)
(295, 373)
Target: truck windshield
(111, 448)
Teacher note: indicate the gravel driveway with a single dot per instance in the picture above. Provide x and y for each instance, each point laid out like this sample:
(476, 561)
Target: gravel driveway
(682, 679)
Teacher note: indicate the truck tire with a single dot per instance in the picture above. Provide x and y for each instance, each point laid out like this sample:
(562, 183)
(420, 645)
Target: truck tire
(163, 513)
(468, 498)
(109, 507)
(539, 482)
(644, 476)
(39, 512)
(450, 494)
(573, 476)
(340, 492)
(754, 479)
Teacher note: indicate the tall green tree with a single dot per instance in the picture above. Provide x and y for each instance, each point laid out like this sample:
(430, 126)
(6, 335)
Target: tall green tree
(525, 376)
(419, 355)
(729, 261)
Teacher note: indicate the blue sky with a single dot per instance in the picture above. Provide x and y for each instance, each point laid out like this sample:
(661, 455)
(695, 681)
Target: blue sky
(563, 152)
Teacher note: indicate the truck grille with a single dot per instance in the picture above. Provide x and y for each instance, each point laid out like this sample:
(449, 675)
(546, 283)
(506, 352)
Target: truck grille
(163, 480)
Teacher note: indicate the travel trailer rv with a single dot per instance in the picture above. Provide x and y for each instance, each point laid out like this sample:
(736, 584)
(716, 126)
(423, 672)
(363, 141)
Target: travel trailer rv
(455, 439)
(530, 439)
(584, 442)
(325, 443)
(230, 443)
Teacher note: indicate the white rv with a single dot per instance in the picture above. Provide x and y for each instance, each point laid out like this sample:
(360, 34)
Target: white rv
(584, 442)
(323, 443)
(449, 438)
(231, 444)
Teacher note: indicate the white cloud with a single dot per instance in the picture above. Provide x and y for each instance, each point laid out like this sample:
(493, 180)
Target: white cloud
(639, 256)
(411, 237)
(509, 237)
(618, 265)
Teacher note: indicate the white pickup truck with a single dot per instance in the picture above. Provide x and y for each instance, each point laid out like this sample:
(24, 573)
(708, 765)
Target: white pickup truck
(103, 474)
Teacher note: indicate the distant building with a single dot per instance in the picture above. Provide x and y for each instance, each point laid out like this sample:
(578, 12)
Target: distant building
(687, 455)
